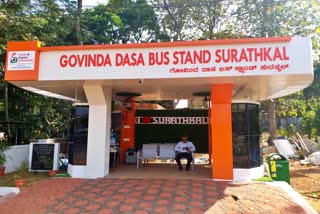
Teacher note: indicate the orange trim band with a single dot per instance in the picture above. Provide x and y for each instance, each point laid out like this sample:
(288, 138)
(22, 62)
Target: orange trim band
(170, 44)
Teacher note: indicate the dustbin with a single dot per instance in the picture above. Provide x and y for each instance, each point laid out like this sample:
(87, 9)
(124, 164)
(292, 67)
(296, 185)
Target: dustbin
(278, 167)
(131, 156)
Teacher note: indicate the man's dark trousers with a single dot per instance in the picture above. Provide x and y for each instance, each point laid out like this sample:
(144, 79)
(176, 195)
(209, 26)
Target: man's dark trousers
(186, 155)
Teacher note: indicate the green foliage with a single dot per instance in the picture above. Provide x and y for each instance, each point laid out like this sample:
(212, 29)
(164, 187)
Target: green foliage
(316, 121)
(282, 131)
(307, 123)
(303, 104)
(119, 22)
(292, 129)
(3, 147)
(103, 26)
(313, 91)
(208, 17)
(37, 116)
(51, 23)
(24, 167)
(22, 170)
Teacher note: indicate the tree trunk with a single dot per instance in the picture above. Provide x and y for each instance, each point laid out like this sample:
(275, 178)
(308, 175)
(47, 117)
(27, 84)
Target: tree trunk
(265, 18)
(6, 109)
(272, 120)
(78, 24)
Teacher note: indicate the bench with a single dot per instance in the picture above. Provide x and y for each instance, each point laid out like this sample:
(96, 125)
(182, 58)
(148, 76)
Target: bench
(157, 151)
(148, 151)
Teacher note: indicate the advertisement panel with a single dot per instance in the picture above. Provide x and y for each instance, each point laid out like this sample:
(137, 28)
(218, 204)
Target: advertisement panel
(21, 60)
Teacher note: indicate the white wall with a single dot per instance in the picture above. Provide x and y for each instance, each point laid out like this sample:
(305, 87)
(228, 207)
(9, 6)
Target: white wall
(248, 174)
(15, 156)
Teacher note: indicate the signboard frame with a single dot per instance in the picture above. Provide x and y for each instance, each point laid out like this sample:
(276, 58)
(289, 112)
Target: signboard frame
(55, 156)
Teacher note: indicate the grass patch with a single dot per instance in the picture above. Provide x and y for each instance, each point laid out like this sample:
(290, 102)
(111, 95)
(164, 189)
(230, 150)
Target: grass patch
(264, 179)
(30, 177)
(62, 175)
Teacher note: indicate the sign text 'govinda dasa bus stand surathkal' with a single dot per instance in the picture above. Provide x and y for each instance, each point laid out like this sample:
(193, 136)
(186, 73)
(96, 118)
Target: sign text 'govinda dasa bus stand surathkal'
(171, 120)
(212, 57)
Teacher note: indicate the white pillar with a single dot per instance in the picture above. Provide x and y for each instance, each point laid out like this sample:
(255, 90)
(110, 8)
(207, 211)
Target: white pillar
(98, 148)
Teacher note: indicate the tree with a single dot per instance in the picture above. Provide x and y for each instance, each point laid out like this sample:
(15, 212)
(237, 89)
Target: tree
(103, 26)
(121, 22)
(262, 18)
(211, 19)
(316, 121)
(174, 18)
(78, 23)
(14, 26)
(28, 20)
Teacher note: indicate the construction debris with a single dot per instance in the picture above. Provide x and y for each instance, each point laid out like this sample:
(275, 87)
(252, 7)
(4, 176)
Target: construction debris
(284, 148)
(295, 146)
(314, 158)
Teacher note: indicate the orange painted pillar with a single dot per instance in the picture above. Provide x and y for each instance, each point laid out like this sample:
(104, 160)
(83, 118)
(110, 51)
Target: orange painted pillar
(209, 132)
(221, 131)
(127, 134)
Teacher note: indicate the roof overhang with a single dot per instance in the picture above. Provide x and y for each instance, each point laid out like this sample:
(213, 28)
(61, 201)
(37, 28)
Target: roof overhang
(260, 68)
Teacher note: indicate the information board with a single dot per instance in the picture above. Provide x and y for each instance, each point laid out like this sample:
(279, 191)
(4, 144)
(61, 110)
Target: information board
(42, 156)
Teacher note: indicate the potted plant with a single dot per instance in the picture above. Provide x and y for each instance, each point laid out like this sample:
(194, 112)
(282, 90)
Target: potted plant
(3, 146)
(52, 173)
(19, 180)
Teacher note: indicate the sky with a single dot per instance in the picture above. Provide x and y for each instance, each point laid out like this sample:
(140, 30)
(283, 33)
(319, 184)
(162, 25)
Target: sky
(88, 3)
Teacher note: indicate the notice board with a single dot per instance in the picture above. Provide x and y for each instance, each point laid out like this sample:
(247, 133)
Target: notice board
(43, 156)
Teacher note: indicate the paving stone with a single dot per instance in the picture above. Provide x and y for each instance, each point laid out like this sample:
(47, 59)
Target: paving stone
(160, 210)
(179, 206)
(143, 196)
(105, 211)
(112, 204)
(163, 202)
(196, 210)
(72, 211)
(145, 204)
(131, 201)
(141, 212)
(126, 208)
(196, 203)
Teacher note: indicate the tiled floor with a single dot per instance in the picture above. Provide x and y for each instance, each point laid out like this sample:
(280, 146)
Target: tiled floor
(148, 195)
(160, 170)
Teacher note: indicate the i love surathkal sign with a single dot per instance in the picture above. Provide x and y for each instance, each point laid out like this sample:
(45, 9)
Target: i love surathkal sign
(171, 120)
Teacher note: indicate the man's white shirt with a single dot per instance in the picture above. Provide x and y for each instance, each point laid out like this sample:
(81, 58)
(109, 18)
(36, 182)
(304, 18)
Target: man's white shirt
(179, 147)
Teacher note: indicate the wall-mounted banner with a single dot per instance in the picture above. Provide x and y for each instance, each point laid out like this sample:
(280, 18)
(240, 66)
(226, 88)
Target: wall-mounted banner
(171, 120)
(21, 60)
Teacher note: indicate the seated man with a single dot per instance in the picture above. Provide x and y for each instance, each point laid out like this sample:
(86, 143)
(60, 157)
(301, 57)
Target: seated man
(184, 149)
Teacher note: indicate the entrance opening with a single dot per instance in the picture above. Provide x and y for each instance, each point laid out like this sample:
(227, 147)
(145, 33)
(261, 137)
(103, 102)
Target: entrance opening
(167, 127)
